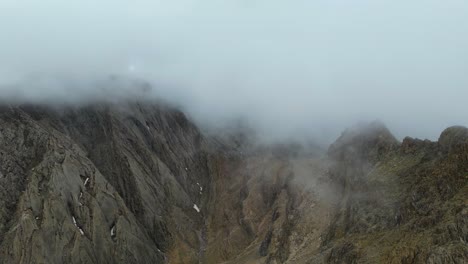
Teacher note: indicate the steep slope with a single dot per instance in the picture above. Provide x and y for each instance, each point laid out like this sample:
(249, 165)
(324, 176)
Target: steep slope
(59, 207)
(100, 184)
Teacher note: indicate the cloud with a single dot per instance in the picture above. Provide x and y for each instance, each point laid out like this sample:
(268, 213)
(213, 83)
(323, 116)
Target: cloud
(292, 67)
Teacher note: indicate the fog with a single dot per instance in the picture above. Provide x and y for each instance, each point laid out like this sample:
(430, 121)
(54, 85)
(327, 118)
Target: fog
(290, 67)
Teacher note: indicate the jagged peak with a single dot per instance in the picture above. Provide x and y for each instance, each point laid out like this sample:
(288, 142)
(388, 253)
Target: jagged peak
(364, 140)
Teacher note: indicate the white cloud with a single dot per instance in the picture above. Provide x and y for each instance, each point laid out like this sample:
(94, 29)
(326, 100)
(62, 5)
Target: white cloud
(288, 65)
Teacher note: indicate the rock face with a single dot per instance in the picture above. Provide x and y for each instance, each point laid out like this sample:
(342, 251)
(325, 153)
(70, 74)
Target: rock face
(100, 184)
(139, 183)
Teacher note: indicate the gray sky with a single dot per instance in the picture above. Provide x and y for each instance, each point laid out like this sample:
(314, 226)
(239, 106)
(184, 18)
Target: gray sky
(292, 67)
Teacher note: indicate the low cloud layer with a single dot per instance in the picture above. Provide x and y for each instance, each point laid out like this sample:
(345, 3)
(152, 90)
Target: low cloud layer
(291, 67)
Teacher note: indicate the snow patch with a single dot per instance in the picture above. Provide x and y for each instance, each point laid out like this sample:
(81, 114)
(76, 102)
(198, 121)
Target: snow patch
(196, 208)
(201, 187)
(86, 181)
(112, 231)
(74, 222)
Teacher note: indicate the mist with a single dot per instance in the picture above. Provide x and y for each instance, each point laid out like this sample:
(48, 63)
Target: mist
(291, 68)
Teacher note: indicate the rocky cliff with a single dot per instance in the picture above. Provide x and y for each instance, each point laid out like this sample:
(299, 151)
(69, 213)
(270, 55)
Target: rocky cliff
(139, 183)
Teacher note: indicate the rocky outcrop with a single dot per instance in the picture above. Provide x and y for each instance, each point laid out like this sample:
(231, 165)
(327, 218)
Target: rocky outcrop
(453, 137)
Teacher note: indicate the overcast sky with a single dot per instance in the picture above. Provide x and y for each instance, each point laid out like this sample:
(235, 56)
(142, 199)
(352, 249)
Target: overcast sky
(291, 66)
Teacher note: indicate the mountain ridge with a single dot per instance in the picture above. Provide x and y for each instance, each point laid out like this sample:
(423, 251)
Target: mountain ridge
(140, 183)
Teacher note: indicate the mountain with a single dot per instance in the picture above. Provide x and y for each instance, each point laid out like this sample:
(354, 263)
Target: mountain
(134, 182)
